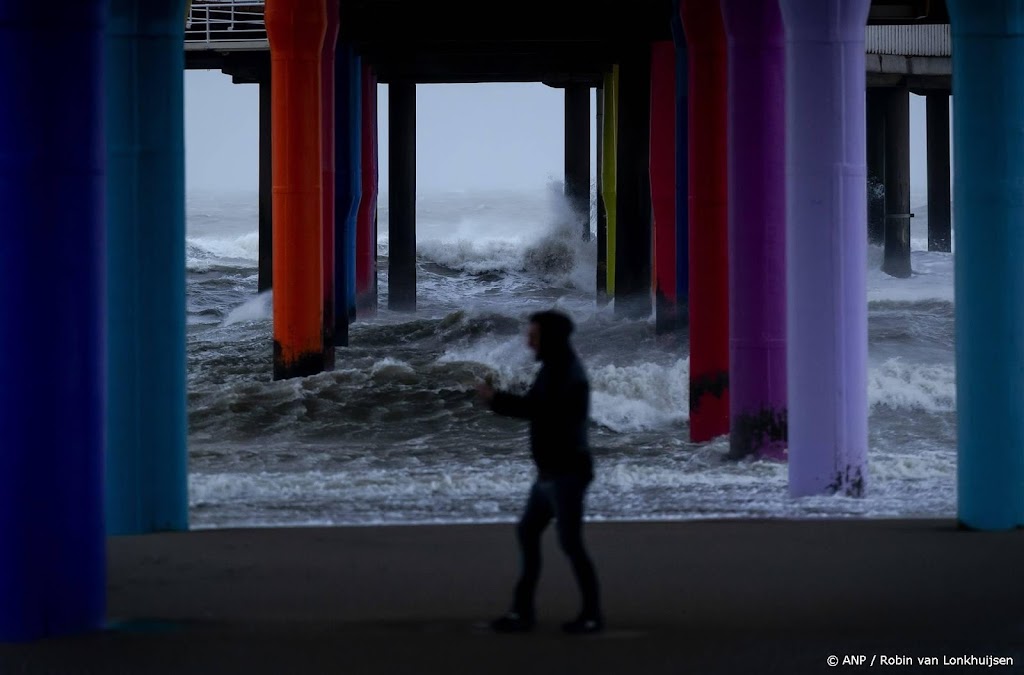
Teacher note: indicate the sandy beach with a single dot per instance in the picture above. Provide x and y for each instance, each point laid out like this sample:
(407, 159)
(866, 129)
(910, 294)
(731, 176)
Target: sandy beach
(767, 596)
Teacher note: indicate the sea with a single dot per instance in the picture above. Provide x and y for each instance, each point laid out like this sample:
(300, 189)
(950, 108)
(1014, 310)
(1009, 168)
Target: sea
(395, 434)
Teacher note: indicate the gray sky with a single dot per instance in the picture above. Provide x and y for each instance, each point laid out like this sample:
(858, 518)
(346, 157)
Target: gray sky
(468, 136)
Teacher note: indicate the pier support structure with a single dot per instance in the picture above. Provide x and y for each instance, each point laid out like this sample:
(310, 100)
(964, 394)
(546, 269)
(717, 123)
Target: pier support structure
(52, 376)
(876, 98)
(633, 186)
(327, 150)
(601, 268)
(663, 184)
(708, 219)
(577, 154)
(366, 221)
(609, 162)
(682, 151)
(940, 235)
(402, 196)
(826, 250)
(265, 280)
(348, 184)
(147, 456)
(296, 31)
(897, 182)
(988, 128)
(757, 228)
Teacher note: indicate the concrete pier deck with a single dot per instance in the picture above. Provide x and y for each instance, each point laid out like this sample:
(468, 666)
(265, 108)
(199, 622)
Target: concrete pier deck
(681, 597)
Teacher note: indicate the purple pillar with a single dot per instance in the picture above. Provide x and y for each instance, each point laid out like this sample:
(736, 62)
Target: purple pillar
(826, 245)
(757, 228)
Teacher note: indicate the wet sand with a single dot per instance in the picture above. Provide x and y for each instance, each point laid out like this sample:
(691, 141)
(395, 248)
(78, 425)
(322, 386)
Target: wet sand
(707, 597)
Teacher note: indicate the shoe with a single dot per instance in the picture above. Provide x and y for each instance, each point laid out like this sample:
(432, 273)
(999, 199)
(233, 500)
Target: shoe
(513, 622)
(584, 625)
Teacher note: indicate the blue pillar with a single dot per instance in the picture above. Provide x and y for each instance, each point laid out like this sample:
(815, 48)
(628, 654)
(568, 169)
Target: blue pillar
(988, 136)
(348, 185)
(682, 167)
(147, 473)
(52, 165)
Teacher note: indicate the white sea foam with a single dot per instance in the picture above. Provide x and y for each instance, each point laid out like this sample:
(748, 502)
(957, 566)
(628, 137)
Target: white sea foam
(641, 396)
(259, 308)
(677, 483)
(202, 252)
(915, 386)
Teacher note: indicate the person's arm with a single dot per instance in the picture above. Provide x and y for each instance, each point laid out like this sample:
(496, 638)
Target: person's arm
(512, 405)
(505, 403)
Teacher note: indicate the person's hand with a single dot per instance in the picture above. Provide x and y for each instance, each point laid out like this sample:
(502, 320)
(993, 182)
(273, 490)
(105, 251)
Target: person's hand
(485, 392)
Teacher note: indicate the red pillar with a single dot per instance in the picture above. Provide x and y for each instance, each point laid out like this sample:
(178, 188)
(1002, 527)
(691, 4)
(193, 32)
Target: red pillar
(708, 213)
(296, 31)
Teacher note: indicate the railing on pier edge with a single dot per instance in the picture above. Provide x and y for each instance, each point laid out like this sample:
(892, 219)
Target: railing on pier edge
(236, 25)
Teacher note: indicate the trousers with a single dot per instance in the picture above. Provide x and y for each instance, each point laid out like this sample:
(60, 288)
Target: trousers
(561, 498)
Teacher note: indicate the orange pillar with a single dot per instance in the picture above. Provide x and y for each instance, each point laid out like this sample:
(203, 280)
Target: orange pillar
(296, 30)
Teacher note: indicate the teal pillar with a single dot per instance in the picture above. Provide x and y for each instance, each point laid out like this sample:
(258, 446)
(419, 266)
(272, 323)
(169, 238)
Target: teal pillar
(988, 137)
(146, 468)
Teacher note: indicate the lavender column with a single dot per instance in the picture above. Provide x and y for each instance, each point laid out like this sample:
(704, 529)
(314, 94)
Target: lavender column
(757, 228)
(826, 246)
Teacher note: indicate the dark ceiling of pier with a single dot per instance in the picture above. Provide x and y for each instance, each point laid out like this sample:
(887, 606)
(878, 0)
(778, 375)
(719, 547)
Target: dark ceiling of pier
(456, 40)
(552, 41)
(556, 41)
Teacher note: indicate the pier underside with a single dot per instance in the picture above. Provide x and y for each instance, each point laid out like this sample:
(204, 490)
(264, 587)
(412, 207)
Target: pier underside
(457, 41)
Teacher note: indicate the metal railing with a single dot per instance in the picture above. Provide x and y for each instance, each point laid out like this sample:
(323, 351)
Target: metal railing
(928, 40)
(237, 24)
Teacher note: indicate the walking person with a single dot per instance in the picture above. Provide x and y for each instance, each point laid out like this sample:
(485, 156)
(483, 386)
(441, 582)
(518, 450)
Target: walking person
(557, 406)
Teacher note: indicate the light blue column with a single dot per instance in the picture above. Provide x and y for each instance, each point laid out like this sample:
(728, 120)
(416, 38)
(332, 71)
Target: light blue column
(147, 473)
(826, 246)
(988, 137)
(52, 166)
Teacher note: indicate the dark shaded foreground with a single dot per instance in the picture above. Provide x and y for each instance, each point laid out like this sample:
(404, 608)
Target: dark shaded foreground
(685, 597)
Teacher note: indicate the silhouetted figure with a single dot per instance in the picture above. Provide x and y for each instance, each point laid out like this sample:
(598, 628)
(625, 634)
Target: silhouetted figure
(557, 406)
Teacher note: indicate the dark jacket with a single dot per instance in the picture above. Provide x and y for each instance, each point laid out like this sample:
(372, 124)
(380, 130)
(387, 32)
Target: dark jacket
(558, 406)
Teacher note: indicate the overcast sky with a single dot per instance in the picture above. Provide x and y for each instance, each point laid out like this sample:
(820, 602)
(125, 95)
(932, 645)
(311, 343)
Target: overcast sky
(468, 136)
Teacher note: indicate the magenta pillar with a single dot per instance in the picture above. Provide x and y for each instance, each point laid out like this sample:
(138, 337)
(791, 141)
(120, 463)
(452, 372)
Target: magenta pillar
(708, 218)
(826, 245)
(757, 228)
